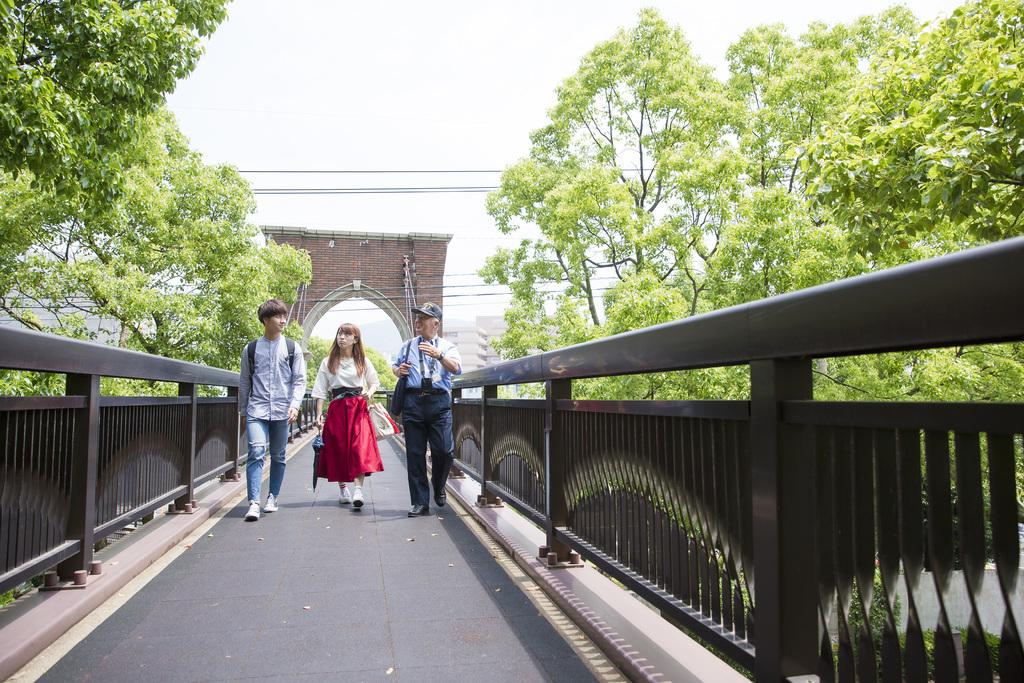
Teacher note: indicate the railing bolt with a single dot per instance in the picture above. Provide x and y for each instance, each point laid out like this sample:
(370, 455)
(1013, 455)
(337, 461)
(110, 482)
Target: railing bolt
(543, 551)
(50, 579)
(187, 508)
(96, 567)
(574, 557)
(80, 577)
(195, 504)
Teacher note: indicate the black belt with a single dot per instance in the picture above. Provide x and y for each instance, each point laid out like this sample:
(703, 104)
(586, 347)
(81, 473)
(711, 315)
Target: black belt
(345, 392)
(426, 392)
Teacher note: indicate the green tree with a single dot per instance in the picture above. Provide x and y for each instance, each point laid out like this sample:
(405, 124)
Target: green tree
(78, 76)
(318, 348)
(928, 154)
(631, 175)
(789, 90)
(170, 263)
(383, 368)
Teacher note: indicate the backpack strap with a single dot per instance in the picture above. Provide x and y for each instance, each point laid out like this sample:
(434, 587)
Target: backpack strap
(250, 350)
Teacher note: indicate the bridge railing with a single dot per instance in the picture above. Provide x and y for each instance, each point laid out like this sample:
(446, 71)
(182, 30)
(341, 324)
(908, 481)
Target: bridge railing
(846, 514)
(76, 468)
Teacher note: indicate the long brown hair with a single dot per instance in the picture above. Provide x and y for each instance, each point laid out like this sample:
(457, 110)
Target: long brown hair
(357, 350)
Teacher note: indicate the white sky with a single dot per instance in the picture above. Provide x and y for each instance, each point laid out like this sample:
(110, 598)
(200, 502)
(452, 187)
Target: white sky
(327, 84)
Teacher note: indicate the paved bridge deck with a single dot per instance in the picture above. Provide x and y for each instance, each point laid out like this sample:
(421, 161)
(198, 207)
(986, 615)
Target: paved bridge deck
(318, 591)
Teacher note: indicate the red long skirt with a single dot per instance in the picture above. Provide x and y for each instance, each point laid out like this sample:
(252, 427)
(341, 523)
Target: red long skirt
(350, 447)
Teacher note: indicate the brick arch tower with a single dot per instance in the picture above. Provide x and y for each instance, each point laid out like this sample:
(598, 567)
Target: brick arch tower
(394, 271)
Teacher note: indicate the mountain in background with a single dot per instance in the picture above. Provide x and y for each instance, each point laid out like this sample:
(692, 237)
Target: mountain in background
(383, 337)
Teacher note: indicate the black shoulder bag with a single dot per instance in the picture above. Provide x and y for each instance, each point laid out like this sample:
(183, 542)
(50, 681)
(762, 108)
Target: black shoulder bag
(398, 397)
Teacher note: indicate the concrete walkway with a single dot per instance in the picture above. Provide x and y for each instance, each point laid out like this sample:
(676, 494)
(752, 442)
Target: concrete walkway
(318, 591)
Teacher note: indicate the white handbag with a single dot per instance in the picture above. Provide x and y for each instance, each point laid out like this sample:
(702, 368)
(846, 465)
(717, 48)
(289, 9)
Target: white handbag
(383, 425)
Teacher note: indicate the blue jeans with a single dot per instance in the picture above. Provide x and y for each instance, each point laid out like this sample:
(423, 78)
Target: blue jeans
(259, 433)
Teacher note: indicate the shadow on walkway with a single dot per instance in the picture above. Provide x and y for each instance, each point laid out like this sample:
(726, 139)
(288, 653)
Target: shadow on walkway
(319, 591)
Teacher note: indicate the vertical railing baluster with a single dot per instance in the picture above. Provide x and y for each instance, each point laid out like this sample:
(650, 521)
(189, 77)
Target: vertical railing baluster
(556, 507)
(1006, 549)
(84, 464)
(940, 551)
(456, 471)
(487, 473)
(783, 495)
(971, 534)
(188, 476)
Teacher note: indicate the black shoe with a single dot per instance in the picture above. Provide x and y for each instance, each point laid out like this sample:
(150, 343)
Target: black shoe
(441, 499)
(419, 510)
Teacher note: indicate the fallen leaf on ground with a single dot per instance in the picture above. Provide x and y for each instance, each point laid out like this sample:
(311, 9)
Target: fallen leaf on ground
(188, 546)
(390, 670)
(410, 539)
(433, 534)
(497, 590)
(260, 538)
(328, 526)
(451, 564)
(209, 535)
(307, 607)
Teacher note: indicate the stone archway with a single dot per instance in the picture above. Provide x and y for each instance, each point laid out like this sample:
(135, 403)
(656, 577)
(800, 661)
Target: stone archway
(354, 290)
(395, 271)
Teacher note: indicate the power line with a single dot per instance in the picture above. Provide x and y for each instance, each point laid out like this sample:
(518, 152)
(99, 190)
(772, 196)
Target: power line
(400, 171)
(373, 190)
(373, 171)
(447, 288)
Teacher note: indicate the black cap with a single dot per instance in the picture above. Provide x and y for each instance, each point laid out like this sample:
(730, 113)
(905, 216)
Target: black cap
(428, 309)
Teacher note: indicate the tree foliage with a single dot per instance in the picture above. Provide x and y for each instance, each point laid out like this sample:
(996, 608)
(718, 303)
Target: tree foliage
(932, 141)
(78, 76)
(661, 193)
(630, 176)
(169, 265)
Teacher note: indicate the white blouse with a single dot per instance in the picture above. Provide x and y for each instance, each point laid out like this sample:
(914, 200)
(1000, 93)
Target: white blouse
(346, 376)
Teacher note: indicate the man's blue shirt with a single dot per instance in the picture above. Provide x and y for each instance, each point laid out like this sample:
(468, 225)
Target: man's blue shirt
(431, 367)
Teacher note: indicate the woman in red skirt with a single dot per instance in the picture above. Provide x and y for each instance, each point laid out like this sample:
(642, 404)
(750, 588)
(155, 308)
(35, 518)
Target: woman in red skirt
(348, 380)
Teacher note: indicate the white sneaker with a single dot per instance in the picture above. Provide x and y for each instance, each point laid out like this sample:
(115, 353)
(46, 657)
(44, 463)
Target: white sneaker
(357, 498)
(254, 511)
(345, 496)
(271, 505)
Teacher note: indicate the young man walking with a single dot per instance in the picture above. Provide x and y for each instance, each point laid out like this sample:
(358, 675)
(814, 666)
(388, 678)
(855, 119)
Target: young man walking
(270, 389)
(430, 362)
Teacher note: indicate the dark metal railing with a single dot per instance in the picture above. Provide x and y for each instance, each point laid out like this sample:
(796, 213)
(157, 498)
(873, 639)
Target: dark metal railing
(867, 526)
(76, 468)
(306, 419)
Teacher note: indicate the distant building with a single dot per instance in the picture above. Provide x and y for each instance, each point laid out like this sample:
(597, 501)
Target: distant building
(104, 330)
(474, 340)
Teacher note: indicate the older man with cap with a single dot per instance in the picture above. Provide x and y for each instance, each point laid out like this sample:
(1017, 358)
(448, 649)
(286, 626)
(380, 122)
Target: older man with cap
(429, 362)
